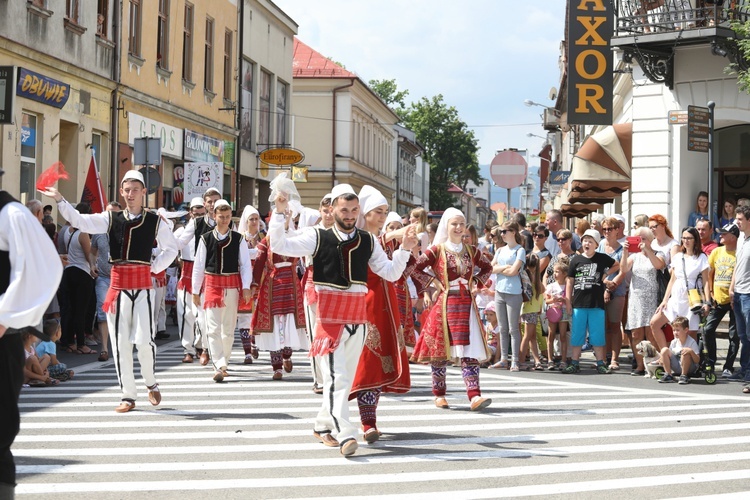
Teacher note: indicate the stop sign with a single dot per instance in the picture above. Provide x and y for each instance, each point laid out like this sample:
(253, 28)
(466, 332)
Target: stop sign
(508, 169)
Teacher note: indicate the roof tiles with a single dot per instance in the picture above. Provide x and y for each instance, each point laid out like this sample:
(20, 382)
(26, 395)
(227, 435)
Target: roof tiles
(309, 63)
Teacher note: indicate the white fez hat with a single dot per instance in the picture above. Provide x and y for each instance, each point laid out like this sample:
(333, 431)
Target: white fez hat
(133, 175)
(341, 189)
(221, 203)
(196, 202)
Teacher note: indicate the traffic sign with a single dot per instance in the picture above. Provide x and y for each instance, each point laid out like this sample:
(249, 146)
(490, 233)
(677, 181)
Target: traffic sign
(508, 169)
(698, 129)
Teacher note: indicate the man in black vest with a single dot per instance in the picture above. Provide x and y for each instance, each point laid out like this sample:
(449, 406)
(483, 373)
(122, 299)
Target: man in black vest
(341, 256)
(30, 272)
(129, 303)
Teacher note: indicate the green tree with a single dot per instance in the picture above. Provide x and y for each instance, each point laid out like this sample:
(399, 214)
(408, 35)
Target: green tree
(388, 91)
(449, 147)
(740, 68)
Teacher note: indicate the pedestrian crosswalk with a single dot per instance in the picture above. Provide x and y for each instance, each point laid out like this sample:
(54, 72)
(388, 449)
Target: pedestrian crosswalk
(250, 437)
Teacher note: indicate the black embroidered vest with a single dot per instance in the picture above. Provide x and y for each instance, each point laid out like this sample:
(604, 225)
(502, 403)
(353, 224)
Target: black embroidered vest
(132, 240)
(201, 227)
(341, 263)
(222, 256)
(5, 198)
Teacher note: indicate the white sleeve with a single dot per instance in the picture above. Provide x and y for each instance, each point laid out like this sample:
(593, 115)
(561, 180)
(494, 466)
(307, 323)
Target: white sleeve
(35, 268)
(246, 266)
(167, 248)
(300, 244)
(88, 223)
(386, 268)
(199, 267)
(186, 235)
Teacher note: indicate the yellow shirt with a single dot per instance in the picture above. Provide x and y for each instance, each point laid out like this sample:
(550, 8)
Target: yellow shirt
(722, 262)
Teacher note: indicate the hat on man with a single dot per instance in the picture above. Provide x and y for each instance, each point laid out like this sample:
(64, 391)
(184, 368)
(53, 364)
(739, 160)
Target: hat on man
(133, 175)
(340, 190)
(196, 202)
(592, 233)
(620, 218)
(211, 192)
(731, 228)
(221, 203)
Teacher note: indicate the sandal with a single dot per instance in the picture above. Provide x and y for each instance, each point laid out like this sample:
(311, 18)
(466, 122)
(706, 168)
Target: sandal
(514, 368)
(538, 367)
(746, 389)
(614, 365)
(500, 365)
(85, 350)
(104, 356)
(72, 349)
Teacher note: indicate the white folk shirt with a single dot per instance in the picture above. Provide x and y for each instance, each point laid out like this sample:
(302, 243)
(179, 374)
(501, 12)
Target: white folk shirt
(199, 267)
(304, 241)
(35, 266)
(188, 234)
(187, 253)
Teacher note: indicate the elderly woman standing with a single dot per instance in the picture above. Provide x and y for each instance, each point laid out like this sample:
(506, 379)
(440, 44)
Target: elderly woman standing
(452, 330)
(643, 266)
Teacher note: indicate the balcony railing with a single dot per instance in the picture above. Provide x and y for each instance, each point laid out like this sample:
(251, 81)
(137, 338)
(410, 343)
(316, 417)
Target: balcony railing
(642, 17)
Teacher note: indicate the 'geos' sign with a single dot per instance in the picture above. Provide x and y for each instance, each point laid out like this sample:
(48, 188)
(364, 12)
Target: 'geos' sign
(590, 26)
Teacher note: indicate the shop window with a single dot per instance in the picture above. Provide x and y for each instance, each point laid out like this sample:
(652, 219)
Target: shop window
(281, 100)
(228, 65)
(162, 36)
(208, 59)
(29, 156)
(134, 30)
(187, 44)
(264, 132)
(102, 18)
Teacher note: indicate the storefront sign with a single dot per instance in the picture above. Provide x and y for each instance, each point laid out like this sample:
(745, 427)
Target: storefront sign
(7, 80)
(171, 137)
(229, 155)
(590, 25)
(282, 156)
(42, 88)
(202, 148)
(199, 176)
(559, 177)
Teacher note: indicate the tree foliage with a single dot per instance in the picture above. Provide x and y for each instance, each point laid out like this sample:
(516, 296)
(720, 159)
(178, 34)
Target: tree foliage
(743, 43)
(449, 146)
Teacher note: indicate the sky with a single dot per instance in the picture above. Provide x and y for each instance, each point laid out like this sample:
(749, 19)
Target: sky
(484, 56)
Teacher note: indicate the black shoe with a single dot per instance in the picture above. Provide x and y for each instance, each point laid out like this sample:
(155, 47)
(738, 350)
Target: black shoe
(161, 335)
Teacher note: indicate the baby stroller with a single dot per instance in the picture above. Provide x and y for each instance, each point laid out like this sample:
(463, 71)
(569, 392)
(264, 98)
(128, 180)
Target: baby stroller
(705, 369)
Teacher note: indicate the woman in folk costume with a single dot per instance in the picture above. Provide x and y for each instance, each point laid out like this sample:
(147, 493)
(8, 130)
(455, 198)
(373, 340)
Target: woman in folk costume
(384, 364)
(392, 225)
(452, 329)
(249, 228)
(279, 320)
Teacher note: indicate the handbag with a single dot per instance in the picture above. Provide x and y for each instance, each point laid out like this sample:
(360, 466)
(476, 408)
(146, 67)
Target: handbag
(527, 291)
(662, 280)
(694, 296)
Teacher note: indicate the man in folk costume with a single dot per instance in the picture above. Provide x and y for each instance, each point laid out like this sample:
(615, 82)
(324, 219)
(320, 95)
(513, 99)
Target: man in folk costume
(310, 298)
(30, 272)
(224, 261)
(249, 228)
(130, 301)
(384, 364)
(195, 228)
(186, 309)
(341, 257)
(278, 323)
(452, 330)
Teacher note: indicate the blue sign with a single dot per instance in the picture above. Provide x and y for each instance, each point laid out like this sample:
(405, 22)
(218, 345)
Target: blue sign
(28, 136)
(42, 89)
(558, 177)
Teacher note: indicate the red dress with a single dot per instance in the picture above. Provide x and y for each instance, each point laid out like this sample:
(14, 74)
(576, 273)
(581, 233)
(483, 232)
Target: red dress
(452, 328)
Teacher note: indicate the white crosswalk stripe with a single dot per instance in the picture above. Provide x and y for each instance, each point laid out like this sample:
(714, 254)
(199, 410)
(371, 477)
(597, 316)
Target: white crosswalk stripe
(251, 437)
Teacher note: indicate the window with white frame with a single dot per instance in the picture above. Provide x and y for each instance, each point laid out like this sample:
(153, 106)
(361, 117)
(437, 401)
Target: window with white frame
(281, 104)
(29, 156)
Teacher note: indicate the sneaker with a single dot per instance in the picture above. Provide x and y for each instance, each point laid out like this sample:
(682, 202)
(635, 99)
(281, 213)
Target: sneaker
(602, 368)
(586, 347)
(683, 380)
(638, 373)
(666, 378)
(572, 368)
(726, 374)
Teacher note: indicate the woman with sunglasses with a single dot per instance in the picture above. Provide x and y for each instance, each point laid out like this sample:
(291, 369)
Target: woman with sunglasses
(506, 265)
(614, 294)
(663, 241)
(689, 268)
(541, 233)
(565, 240)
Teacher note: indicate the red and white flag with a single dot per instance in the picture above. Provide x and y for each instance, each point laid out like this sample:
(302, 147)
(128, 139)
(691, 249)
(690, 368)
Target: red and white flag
(93, 191)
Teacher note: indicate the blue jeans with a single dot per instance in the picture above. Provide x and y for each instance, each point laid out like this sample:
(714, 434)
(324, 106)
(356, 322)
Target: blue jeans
(742, 319)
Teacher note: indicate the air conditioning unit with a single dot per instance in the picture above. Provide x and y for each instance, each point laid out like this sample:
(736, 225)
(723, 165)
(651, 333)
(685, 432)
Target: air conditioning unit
(551, 119)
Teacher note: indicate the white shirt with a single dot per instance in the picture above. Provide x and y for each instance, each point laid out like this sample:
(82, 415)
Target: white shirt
(188, 234)
(186, 253)
(305, 241)
(199, 267)
(35, 268)
(99, 224)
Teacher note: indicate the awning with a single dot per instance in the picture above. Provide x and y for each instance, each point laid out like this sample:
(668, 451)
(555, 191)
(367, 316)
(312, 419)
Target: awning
(601, 168)
(579, 209)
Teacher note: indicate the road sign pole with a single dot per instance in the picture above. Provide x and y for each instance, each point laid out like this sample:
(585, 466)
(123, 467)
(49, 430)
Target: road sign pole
(711, 106)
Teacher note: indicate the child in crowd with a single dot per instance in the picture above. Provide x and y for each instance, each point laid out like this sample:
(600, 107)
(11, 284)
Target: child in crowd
(56, 369)
(585, 299)
(491, 327)
(530, 314)
(681, 357)
(557, 315)
(35, 371)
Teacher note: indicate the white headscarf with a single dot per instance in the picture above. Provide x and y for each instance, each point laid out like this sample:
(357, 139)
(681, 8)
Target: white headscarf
(392, 217)
(369, 199)
(248, 211)
(282, 184)
(308, 217)
(441, 235)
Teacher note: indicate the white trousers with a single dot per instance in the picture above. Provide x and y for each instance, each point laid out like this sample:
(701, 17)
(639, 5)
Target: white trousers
(160, 312)
(131, 324)
(338, 369)
(186, 313)
(220, 323)
(310, 317)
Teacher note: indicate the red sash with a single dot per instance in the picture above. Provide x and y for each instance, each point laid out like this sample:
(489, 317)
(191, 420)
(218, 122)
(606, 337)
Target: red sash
(335, 310)
(186, 279)
(126, 277)
(160, 279)
(214, 287)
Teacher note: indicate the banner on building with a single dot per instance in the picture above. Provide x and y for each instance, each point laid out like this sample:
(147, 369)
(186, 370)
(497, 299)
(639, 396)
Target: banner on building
(42, 88)
(199, 176)
(590, 82)
(203, 148)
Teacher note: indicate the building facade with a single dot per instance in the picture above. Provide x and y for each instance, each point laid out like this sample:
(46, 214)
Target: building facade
(408, 153)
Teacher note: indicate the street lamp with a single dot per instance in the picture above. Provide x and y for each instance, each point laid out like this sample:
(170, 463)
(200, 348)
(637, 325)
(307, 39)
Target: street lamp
(529, 103)
(546, 139)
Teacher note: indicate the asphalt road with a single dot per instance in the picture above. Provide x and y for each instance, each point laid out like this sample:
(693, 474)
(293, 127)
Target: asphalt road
(546, 434)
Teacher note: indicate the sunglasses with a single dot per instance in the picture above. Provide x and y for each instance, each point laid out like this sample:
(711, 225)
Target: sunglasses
(607, 229)
(540, 235)
(653, 227)
(503, 231)
(563, 239)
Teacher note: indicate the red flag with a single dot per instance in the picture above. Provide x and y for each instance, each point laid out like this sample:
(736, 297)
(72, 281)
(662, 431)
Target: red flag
(49, 177)
(93, 191)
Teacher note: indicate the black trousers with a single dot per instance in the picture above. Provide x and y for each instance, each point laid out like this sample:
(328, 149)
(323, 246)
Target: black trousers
(11, 379)
(76, 288)
(712, 322)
